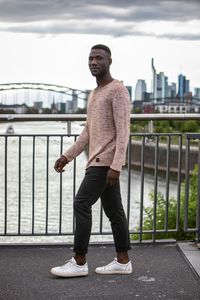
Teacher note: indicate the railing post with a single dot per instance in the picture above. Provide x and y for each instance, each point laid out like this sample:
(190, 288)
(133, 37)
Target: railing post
(69, 127)
(180, 144)
(198, 201)
(155, 188)
(187, 160)
(190, 136)
(142, 190)
(129, 179)
(151, 126)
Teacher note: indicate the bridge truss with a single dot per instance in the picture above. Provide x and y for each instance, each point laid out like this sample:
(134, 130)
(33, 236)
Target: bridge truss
(12, 92)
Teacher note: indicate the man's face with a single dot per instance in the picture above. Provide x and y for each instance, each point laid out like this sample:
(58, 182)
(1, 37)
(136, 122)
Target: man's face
(99, 62)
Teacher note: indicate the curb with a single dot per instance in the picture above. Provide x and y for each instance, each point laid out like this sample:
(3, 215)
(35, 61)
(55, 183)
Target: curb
(191, 253)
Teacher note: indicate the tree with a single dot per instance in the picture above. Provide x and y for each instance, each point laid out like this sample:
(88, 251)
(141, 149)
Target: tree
(31, 110)
(46, 110)
(81, 110)
(7, 111)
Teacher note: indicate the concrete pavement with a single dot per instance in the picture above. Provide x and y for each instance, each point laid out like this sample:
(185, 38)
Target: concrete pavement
(159, 272)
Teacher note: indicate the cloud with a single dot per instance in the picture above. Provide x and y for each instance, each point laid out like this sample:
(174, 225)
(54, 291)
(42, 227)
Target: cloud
(109, 17)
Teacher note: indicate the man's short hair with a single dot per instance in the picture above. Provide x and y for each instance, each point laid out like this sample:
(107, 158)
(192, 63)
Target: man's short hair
(101, 46)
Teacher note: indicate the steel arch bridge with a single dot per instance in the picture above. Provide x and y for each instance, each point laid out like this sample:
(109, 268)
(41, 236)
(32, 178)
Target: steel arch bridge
(44, 87)
(26, 96)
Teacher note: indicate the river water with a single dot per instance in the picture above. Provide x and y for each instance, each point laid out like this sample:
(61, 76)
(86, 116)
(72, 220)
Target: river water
(53, 189)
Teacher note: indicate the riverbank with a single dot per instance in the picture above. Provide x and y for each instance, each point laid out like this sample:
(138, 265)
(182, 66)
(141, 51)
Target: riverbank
(149, 157)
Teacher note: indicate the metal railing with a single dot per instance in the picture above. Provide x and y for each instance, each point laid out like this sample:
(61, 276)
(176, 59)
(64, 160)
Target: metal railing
(36, 201)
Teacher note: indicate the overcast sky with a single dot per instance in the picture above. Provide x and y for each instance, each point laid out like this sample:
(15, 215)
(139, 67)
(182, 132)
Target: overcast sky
(49, 41)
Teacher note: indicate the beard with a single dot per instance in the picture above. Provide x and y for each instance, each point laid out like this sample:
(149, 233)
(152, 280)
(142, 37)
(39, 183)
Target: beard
(99, 72)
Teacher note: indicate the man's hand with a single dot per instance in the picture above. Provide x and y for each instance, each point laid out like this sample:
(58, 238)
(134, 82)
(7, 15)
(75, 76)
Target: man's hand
(112, 177)
(60, 163)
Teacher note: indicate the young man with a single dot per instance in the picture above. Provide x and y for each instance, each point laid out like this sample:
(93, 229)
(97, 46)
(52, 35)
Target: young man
(106, 133)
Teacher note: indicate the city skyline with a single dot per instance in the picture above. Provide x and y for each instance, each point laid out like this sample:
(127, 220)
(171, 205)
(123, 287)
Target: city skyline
(167, 89)
(162, 87)
(136, 92)
(49, 41)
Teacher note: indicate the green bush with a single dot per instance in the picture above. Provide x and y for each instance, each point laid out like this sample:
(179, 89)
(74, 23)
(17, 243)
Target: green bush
(190, 126)
(148, 220)
(167, 126)
(162, 127)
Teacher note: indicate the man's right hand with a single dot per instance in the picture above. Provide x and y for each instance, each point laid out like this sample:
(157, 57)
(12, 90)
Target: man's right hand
(60, 163)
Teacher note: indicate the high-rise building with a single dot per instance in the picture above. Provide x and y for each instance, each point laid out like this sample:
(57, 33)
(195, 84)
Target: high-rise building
(61, 107)
(129, 88)
(197, 93)
(140, 90)
(159, 84)
(69, 107)
(38, 105)
(171, 90)
(74, 101)
(183, 86)
(161, 87)
(154, 80)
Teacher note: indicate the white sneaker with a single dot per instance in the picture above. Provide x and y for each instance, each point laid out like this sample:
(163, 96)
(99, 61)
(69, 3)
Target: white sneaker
(70, 269)
(115, 268)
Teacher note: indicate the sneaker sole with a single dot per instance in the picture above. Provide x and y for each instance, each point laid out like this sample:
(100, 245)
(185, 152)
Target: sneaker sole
(81, 274)
(113, 272)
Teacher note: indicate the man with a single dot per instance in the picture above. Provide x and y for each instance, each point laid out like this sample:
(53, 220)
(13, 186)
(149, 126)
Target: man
(106, 133)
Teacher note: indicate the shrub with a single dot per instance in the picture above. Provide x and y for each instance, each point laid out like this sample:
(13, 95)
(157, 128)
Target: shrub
(172, 212)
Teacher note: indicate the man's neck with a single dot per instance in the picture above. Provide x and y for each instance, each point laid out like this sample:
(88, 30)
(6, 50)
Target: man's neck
(104, 80)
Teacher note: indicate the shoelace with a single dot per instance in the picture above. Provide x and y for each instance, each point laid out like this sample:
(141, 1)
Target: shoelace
(68, 261)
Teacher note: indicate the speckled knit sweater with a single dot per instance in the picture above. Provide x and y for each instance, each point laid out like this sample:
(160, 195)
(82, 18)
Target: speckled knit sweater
(106, 131)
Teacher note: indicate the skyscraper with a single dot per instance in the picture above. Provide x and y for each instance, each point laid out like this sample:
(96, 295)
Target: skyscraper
(154, 80)
(129, 88)
(171, 90)
(197, 93)
(159, 84)
(183, 86)
(140, 89)
(187, 86)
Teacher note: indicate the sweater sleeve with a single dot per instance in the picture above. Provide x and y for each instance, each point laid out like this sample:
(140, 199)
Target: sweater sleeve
(79, 144)
(121, 114)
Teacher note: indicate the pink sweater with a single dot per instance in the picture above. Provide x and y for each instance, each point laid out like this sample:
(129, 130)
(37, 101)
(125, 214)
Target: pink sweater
(106, 131)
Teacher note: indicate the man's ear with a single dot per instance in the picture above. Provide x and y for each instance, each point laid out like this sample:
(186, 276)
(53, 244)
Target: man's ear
(110, 61)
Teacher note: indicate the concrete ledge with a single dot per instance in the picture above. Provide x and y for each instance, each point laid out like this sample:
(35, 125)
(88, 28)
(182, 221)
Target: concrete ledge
(98, 244)
(192, 254)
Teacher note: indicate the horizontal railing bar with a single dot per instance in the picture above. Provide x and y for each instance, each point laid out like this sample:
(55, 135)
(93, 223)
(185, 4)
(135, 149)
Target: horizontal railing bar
(42, 117)
(36, 234)
(95, 233)
(39, 135)
(156, 231)
(82, 117)
(75, 134)
(190, 229)
(194, 136)
(69, 243)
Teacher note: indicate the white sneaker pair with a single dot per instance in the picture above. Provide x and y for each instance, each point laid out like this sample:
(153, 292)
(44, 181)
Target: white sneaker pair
(71, 269)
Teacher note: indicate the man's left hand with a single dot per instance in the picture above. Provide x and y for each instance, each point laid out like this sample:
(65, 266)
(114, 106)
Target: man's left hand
(112, 177)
